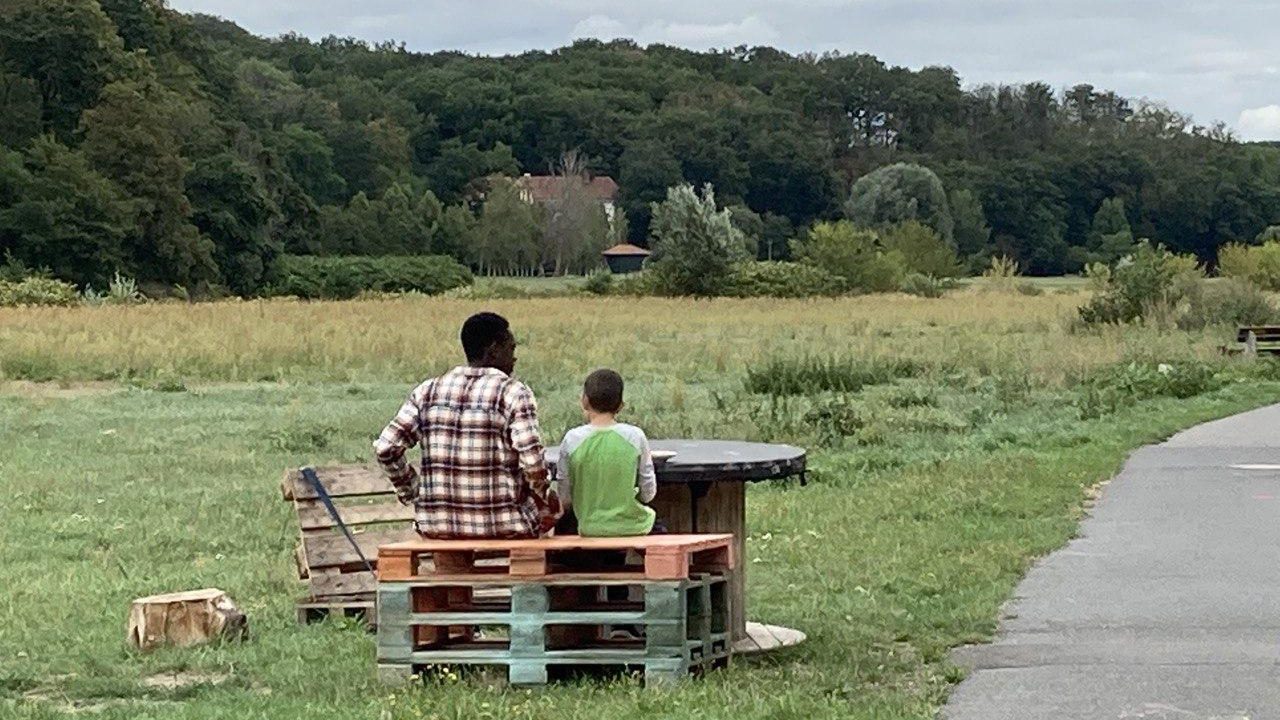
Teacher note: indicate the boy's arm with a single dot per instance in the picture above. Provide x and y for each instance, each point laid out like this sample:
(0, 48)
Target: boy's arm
(646, 478)
(564, 483)
(397, 437)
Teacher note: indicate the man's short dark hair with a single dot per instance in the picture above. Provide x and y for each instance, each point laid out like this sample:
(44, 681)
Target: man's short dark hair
(480, 332)
(603, 390)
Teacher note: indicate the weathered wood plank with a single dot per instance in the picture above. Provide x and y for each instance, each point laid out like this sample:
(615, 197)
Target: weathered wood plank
(338, 480)
(312, 515)
(329, 548)
(300, 561)
(721, 510)
(568, 617)
(342, 583)
(666, 557)
(684, 542)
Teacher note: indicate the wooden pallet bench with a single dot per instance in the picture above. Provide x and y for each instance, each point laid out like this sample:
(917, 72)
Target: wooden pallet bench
(665, 557)
(540, 624)
(336, 580)
(1259, 339)
(548, 627)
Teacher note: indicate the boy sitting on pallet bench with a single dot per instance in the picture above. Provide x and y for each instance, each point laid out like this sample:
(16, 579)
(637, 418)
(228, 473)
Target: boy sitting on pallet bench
(483, 472)
(605, 473)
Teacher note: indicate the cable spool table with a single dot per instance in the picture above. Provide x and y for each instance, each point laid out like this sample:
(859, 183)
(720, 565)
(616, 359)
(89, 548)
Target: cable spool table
(702, 489)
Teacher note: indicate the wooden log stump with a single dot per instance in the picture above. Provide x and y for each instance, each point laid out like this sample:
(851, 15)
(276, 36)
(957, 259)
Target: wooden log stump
(184, 618)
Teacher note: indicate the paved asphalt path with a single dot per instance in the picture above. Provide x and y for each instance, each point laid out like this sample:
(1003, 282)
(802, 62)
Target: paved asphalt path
(1167, 606)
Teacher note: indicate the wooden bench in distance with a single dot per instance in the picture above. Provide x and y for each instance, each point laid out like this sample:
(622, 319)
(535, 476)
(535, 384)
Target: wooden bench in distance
(665, 557)
(1259, 339)
(336, 579)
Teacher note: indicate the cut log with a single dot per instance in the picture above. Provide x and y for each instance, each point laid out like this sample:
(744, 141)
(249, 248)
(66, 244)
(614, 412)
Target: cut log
(184, 618)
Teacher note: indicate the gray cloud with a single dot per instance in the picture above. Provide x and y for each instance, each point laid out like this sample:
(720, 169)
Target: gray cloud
(1215, 61)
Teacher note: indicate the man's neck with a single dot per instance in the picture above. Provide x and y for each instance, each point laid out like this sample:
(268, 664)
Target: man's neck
(602, 420)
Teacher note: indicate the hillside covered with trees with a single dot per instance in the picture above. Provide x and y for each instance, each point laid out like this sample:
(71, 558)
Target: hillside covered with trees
(185, 151)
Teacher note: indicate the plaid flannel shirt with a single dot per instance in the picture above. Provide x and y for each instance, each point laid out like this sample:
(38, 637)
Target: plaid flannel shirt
(483, 472)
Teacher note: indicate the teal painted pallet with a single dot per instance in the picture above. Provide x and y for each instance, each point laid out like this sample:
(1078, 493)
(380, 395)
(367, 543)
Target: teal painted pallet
(686, 627)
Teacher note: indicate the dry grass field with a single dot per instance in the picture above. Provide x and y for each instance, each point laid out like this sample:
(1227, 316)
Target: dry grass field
(692, 340)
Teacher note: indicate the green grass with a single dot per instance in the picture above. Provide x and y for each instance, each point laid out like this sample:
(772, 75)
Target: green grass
(556, 285)
(947, 450)
(913, 530)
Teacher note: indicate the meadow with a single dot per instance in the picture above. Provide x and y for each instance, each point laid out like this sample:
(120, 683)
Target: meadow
(952, 441)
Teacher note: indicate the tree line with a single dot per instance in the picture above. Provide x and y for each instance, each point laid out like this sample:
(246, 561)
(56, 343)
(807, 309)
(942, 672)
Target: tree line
(183, 150)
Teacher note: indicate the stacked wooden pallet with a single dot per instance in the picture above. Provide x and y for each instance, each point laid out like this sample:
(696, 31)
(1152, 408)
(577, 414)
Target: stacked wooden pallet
(560, 606)
(336, 579)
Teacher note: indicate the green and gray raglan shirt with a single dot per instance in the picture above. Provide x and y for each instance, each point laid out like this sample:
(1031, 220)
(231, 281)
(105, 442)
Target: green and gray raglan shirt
(606, 475)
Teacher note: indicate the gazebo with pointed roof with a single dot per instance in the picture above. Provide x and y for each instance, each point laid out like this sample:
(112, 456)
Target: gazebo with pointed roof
(625, 258)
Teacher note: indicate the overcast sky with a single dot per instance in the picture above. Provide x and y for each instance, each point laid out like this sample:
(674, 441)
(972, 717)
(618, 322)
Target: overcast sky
(1216, 61)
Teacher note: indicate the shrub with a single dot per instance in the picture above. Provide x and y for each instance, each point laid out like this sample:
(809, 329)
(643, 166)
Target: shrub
(639, 284)
(923, 250)
(1259, 264)
(1227, 302)
(1149, 281)
(923, 286)
(599, 282)
(694, 245)
(37, 291)
(810, 375)
(345, 277)
(901, 192)
(781, 280)
(1002, 270)
(852, 254)
(121, 291)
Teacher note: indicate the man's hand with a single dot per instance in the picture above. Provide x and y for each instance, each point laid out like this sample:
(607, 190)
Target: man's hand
(405, 496)
(549, 511)
(407, 488)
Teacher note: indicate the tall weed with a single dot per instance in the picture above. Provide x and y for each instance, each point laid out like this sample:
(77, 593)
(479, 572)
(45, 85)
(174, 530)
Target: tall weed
(812, 375)
(1120, 386)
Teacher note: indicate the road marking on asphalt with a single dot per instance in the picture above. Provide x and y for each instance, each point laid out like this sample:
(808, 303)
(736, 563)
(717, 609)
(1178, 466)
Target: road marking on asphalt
(1255, 467)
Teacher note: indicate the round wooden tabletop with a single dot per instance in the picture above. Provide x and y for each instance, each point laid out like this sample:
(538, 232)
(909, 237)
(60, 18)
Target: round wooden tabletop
(697, 461)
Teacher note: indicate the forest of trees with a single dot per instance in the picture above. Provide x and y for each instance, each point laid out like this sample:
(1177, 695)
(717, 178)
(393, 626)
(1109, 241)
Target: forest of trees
(183, 150)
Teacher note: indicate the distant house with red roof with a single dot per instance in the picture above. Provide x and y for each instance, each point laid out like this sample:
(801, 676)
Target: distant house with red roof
(543, 189)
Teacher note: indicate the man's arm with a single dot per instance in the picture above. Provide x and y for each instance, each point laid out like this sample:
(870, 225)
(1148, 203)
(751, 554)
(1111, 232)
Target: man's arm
(526, 440)
(399, 435)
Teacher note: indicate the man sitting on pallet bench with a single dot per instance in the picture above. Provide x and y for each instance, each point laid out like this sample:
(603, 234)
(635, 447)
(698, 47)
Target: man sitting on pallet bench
(483, 472)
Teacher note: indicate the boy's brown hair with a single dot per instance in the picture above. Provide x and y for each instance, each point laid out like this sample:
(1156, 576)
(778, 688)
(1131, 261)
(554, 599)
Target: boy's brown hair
(603, 390)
